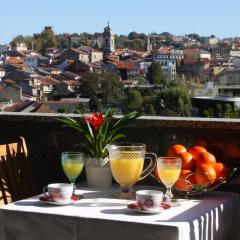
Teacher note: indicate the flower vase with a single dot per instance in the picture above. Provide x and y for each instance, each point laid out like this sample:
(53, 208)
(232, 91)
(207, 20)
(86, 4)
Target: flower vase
(98, 172)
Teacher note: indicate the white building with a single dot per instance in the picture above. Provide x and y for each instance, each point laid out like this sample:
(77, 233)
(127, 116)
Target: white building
(5, 48)
(31, 61)
(21, 47)
(2, 74)
(34, 61)
(168, 57)
(203, 54)
(212, 41)
(235, 51)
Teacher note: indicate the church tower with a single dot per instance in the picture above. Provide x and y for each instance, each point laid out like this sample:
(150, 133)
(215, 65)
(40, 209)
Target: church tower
(148, 45)
(108, 41)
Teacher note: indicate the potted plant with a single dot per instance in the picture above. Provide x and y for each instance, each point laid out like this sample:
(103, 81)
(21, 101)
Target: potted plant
(98, 131)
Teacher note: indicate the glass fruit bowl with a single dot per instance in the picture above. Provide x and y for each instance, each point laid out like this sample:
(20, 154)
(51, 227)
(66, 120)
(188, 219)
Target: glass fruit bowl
(186, 187)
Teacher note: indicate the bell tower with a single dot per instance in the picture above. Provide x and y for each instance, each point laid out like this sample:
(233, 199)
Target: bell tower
(108, 40)
(148, 45)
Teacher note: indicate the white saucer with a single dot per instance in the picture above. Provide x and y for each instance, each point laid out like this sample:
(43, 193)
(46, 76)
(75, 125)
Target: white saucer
(155, 211)
(59, 203)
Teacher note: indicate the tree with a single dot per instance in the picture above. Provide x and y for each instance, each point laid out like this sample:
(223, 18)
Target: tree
(112, 88)
(95, 104)
(91, 85)
(148, 109)
(133, 102)
(80, 108)
(229, 111)
(48, 39)
(62, 110)
(155, 74)
(174, 101)
(209, 113)
(17, 39)
(105, 85)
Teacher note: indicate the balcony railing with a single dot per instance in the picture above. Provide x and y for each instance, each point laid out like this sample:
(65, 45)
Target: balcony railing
(46, 139)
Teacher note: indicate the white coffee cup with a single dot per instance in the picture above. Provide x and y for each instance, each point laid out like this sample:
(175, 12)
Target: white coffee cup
(58, 191)
(149, 200)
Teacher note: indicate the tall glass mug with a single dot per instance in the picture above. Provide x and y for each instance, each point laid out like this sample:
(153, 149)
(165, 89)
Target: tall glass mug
(127, 162)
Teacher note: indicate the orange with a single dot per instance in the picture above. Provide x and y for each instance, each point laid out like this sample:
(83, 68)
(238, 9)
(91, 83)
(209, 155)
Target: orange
(205, 174)
(221, 171)
(186, 180)
(195, 150)
(206, 158)
(187, 160)
(217, 151)
(176, 149)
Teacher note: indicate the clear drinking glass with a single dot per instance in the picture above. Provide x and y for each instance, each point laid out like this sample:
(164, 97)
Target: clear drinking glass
(169, 169)
(72, 163)
(127, 162)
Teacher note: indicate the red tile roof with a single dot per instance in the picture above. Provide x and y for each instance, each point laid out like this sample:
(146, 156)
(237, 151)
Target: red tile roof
(190, 51)
(10, 81)
(71, 82)
(44, 108)
(61, 102)
(17, 106)
(52, 81)
(190, 61)
(88, 49)
(165, 49)
(79, 51)
(14, 60)
(125, 65)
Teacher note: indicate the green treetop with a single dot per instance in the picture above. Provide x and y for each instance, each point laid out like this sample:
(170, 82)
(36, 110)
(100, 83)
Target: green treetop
(155, 74)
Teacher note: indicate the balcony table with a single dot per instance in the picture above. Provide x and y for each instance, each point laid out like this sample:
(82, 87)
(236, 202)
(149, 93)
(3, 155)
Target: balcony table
(98, 216)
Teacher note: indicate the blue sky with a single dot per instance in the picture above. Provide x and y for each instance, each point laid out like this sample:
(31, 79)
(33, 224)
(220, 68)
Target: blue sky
(204, 17)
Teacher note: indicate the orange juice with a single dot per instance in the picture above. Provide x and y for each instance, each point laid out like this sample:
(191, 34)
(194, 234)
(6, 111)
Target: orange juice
(127, 167)
(72, 169)
(169, 175)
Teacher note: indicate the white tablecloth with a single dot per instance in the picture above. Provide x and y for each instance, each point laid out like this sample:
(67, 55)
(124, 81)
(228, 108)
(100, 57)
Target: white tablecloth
(98, 216)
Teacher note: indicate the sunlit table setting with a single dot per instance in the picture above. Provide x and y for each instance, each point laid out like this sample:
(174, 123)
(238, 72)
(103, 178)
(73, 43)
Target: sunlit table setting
(100, 215)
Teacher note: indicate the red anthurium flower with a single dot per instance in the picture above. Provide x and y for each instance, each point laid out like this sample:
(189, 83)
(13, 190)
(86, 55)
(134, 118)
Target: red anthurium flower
(96, 120)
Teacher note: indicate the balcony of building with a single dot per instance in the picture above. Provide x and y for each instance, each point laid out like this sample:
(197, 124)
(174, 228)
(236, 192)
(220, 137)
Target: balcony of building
(46, 139)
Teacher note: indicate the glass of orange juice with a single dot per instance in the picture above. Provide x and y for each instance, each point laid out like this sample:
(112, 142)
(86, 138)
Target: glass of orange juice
(127, 163)
(72, 163)
(169, 169)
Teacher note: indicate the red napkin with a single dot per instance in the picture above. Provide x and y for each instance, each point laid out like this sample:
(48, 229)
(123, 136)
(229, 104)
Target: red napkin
(135, 206)
(49, 199)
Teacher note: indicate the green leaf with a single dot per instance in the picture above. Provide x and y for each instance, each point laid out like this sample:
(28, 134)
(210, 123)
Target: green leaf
(125, 119)
(87, 149)
(89, 137)
(90, 129)
(116, 137)
(71, 123)
(99, 145)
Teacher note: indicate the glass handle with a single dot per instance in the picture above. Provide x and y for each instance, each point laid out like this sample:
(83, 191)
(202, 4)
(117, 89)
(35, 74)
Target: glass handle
(151, 166)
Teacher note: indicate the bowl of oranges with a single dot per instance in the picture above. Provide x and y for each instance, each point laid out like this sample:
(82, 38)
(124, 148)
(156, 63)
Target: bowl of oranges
(201, 171)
